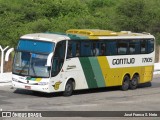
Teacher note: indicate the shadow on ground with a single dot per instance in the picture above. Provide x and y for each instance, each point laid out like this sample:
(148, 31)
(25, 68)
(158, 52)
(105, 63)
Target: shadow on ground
(77, 92)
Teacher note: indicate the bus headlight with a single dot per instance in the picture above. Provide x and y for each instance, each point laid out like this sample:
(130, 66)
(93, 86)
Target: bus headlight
(13, 79)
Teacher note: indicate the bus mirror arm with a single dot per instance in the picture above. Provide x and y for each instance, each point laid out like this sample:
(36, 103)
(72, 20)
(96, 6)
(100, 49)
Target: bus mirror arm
(49, 59)
(49, 68)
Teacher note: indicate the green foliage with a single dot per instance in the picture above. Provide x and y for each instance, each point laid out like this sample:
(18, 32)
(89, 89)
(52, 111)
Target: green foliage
(19, 17)
(133, 15)
(139, 16)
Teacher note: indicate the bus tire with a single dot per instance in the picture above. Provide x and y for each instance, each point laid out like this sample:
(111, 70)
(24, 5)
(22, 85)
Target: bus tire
(133, 82)
(125, 84)
(68, 88)
(148, 84)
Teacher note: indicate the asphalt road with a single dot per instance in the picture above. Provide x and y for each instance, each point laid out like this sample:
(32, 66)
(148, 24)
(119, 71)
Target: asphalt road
(106, 99)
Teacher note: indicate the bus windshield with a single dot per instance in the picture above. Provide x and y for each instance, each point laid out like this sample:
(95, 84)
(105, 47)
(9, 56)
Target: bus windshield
(31, 61)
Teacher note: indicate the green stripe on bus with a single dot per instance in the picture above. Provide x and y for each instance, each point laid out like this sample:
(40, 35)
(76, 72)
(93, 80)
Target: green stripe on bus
(97, 71)
(88, 72)
(77, 37)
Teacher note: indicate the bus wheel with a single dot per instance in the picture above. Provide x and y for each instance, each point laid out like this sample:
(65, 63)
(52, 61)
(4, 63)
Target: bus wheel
(148, 84)
(68, 88)
(125, 84)
(134, 82)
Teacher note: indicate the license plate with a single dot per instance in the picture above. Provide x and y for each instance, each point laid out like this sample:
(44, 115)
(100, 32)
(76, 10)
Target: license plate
(28, 87)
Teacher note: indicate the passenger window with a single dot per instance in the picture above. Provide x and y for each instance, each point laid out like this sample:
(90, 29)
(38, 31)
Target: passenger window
(103, 49)
(95, 49)
(86, 49)
(134, 47)
(143, 46)
(73, 49)
(69, 50)
(122, 47)
(111, 48)
(77, 54)
(150, 45)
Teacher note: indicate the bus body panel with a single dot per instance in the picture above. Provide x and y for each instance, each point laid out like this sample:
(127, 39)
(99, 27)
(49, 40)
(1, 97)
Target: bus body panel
(74, 66)
(91, 71)
(34, 84)
(71, 70)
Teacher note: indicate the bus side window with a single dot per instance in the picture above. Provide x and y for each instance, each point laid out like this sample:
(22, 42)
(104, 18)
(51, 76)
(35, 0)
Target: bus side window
(73, 49)
(111, 48)
(103, 49)
(150, 46)
(95, 49)
(134, 47)
(122, 47)
(69, 50)
(58, 58)
(77, 49)
(86, 49)
(143, 46)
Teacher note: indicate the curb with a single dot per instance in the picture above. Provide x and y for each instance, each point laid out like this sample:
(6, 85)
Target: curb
(6, 84)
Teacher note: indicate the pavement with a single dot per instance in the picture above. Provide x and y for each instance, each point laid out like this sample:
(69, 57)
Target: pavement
(5, 79)
(106, 99)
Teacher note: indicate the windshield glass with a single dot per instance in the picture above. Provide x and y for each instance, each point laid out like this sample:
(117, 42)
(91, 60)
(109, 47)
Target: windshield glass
(30, 64)
(32, 60)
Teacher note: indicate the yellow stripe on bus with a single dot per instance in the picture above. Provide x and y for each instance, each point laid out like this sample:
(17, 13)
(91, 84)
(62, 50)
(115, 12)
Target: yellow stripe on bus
(114, 76)
(38, 79)
(104, 67)
(111, 75)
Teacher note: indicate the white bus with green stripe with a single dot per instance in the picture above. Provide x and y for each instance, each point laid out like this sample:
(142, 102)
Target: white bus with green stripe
(83, 59)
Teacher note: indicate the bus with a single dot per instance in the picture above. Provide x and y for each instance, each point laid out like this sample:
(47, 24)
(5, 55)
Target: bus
(83, 59)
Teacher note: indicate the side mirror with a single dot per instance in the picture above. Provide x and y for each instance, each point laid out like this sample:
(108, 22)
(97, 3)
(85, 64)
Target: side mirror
(49, 59)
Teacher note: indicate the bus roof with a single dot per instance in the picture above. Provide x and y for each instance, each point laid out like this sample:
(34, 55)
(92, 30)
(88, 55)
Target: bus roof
(90, 32)
(45, 37)
(107, 34)
(79, 34)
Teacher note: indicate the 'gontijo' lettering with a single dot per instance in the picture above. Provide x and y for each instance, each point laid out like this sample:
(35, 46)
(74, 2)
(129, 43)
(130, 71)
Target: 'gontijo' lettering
(123, 61)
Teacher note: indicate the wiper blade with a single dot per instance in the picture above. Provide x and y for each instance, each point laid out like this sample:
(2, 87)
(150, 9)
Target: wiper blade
(32, 76)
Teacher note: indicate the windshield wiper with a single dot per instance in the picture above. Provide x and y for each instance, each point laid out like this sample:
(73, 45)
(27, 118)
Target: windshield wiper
(33, 70)
(23, 69)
